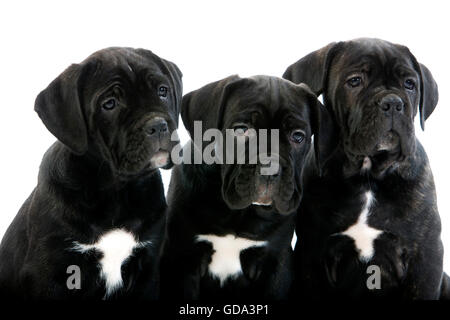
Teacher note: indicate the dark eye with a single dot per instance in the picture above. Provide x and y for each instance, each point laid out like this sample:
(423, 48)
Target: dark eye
(109, 104)
(297, 136)
(162, 91)
(354, 82)
(409, 84)
(240, 129)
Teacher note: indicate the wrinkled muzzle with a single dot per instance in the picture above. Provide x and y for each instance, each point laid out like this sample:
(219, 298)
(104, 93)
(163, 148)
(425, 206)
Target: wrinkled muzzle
(269, 185)
(148, 146)
(382, 130)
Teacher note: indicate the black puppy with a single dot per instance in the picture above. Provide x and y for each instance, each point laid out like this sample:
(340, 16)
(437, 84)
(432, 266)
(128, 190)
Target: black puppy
(230, 225)
(369, 226)
(93, 226)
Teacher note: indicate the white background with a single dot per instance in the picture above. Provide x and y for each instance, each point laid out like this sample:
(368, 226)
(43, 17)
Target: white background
(208, 40)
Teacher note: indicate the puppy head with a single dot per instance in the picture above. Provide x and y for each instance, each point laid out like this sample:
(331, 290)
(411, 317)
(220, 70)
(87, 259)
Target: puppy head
(375, 89)
(120, 105)
(239, 108)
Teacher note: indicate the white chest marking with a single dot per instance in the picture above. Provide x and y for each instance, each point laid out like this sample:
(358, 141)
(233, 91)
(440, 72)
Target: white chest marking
(116, 246)
(225, 261)
(362, 233)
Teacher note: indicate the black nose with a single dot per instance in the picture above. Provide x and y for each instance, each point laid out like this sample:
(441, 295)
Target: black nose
(391, 102)
(156, 126)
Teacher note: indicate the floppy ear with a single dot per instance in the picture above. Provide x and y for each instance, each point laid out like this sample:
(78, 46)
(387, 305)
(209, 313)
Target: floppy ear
(59, 108)
(323, 128)
(206, 104)
(429, 94)
(313, 68)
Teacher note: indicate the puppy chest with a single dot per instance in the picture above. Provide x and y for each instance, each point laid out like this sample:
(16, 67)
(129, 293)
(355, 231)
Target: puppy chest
(361, 232)
(116, 247)
(225, 260)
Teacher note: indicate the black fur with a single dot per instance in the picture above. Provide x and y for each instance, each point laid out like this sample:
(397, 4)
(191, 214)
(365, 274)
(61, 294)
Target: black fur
(218, 199)
(97, 177)
(409, 252)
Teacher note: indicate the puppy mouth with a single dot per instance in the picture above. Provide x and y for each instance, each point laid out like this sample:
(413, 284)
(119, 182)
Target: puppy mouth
(263, 199)
(382, 160)
(143, 154)
(245, 187)
(389, 142)
(380, 154)
(262, 204)
(160, 159)
(264, 193)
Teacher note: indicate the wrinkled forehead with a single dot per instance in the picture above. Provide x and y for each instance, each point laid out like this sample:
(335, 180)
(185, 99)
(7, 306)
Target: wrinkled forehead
(125, 63)
(265, 101)
(373, 53)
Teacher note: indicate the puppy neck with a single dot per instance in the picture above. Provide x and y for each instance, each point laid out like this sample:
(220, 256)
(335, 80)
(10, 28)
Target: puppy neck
(344, 166)
(62, 167)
